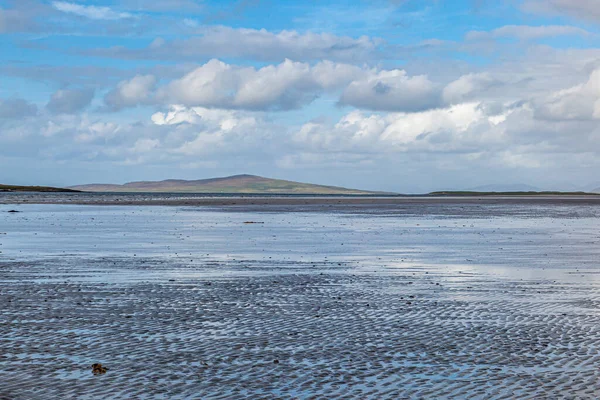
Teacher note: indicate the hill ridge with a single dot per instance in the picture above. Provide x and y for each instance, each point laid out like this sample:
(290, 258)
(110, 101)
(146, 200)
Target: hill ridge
(234, 184)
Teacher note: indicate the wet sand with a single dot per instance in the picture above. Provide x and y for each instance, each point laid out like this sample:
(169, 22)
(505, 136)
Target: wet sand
(291, 203)
(414, 300)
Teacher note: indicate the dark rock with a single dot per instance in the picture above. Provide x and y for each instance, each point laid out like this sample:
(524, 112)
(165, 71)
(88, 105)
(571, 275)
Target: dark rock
(98, 369)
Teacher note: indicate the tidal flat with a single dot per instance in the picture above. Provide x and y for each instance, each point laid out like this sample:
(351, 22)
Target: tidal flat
(391, 299)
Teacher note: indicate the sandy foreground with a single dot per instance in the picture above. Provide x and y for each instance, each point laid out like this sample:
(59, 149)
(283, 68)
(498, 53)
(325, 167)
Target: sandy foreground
(457, 299)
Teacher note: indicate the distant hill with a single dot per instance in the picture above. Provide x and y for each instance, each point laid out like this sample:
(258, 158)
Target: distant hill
(237, 184)
(467, 193)
(13, 188)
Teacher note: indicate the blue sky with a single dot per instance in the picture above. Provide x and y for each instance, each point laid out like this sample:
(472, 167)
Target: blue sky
(399, 95)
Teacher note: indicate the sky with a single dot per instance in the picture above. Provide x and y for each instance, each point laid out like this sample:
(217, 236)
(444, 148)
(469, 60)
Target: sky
(398, 95)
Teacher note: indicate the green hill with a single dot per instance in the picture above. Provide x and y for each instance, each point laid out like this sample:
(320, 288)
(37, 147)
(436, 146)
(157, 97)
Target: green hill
(237, 184)
(13, 188)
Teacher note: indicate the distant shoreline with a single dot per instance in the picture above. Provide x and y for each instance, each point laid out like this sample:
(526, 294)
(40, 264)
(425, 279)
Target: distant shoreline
(530, 193)
(294, 202)
(35, 189)
(444, 194)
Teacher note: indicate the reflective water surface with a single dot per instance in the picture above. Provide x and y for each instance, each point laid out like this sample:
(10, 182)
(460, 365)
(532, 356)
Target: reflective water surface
(494, 301)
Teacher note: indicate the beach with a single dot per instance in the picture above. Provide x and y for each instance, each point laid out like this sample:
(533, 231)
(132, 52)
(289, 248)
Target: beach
(231, 297)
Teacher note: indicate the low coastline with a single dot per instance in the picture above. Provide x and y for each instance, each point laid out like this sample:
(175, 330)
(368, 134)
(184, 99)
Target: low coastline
(253, 201)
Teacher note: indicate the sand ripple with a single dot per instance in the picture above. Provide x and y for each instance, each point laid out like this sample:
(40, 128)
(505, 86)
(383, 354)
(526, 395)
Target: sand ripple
(331, 332)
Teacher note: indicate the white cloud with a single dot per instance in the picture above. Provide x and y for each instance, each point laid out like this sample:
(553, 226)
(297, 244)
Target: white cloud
(580, 102)
(91, 12)
(225, 120)
(467, 135)
(468, 86)
(96, 131)
(292, 85)
(395, 132)
(210, 131)
(284, 86)
(258, 44)
(392, 91)
(483, 135)
(178, 114)
(287, 85)
(130, 93)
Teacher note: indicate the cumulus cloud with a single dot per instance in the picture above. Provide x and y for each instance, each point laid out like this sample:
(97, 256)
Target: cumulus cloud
(284, 86)
(468, 134)
(176, 115)
(130, 93)
(177, 136)
(68, 101)
(392, 91)
(199, 131)
(461, 136)
(280, 87)
(62, 137)
(580, 102)
(396, 132)
(468, 87)
(98, 131)
(292, 85)
(71, 137)
(91, 12)
(525, 32)
(16, 108)
(258, 44)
